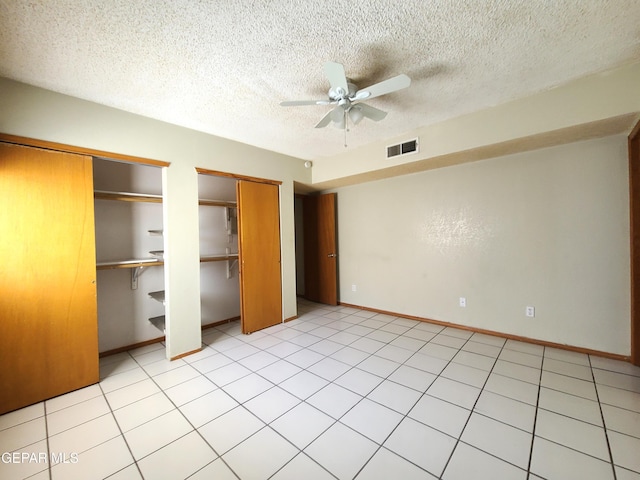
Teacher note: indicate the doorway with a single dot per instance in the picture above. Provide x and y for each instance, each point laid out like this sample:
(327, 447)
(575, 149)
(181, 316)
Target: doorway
(634, 207)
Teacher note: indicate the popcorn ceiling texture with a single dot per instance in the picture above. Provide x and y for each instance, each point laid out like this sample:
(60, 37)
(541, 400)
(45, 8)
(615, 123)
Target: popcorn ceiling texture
(223, 66)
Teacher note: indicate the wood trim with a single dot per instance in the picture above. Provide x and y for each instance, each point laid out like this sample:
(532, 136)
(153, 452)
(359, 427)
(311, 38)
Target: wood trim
(61, 147)
(634, 227)
(206, 171)
(219, 322)
(126, 348)
(186, 354)
(290, 318)
(508, 336)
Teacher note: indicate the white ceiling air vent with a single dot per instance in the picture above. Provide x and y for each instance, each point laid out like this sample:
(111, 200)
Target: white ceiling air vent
(405, 148)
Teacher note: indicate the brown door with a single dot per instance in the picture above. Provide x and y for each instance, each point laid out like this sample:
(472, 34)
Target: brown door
(259, 246)
(48, 312)
(320, 250)
(634, 194)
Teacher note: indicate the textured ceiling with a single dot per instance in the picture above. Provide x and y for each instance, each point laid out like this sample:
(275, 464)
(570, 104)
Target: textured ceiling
(224, 66)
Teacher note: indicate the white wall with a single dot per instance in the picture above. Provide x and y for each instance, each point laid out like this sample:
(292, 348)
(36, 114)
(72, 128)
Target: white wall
(37, 113)
(547, 228)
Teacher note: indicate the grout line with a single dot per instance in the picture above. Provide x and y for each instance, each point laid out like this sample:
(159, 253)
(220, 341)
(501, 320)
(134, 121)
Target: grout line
(604, 424)
(46, 432)
(535, 415)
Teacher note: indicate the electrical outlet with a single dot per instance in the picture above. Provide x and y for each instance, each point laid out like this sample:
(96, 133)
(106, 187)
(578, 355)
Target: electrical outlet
(463, 302)
(530, 311)
(354, 288)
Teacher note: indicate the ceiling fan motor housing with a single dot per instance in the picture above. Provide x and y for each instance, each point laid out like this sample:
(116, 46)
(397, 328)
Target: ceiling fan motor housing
(338, 93)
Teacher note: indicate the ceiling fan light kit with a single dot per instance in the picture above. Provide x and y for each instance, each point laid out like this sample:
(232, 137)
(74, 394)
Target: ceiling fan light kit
(348, 99)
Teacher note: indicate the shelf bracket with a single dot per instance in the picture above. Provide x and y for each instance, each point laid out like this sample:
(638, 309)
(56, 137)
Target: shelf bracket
(230, 265)
(135, 273)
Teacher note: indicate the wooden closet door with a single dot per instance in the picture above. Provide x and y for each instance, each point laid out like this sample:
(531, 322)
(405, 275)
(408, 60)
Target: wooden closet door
(259, 246)
(48, 312)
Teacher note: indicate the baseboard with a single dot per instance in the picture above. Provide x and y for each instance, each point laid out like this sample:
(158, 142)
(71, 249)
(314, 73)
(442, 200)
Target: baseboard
(290, 318)
(571, 348)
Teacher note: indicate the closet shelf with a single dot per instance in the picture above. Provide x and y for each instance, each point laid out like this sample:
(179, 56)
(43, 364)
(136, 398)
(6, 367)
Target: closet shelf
(144, 262)
(219, 258)
(159, 296)
(217, 203)
(158, 322)
(127, 196)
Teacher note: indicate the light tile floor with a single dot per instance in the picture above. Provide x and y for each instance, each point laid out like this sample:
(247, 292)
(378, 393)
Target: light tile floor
(338, 393)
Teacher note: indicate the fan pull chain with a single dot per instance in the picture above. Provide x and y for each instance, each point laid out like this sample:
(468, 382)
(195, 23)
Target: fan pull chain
(346, 128)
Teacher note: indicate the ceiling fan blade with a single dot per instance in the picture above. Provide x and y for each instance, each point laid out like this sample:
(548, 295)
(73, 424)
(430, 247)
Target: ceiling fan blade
(387, 86)
(336, 76)
(326, 120)
(297, 103)
(373, 113)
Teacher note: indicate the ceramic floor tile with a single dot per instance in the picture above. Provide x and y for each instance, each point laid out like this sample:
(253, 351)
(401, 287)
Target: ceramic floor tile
(302, 467)
(570, 405)
(217, 470)
(448, 341)
(260, 456)
(439, 351)
(395, 396)
(341, 451)
(427, 363)
(85, 436)
(329, 369)
(465, 374)
(303, 384)
(131, 393)
(227, 374)
(307, 339)
(506, 410)
(305, 358)
(469, 462)
(517, 371)
(395, 353)
(408, 343)
(225, 343)
(488, 339)
(284, 349)
(23, 434)
(279, 371)
(566, 356)
(503, 441)
(207, 407)
(240, 352)
(211, 362)
(581, 436)
(114, 382)
(334, 400)
(455, 392)
(190, 390)
(624, 474)
(624, 450)
(151, 357)
(14, 467)
(619, 398)
(621, 420)
(382, 336)
(475, 360)
(228, 430)
(414, 378)
(419, 334)
(481, 348)
(422, 445)
(379, 366)
(521, 358)
(574, 386)
(302, 424)
(179, 459)
(524, 347)
(76, 414)
(359, 381)
(569, 369)
(367, 345)
(73, 398)
(22, 415)
(512, 388)
(271, 404)
(97, 463)
(128, 473)
(360, 418)
(155, 434)
(443, 416)
(142, 411)
(552, 461)
(247, 387)
(350, 356)
(115, 364)
(163, 366)
(385, 465)
(611, 365)
(176, 376)
(617, 380)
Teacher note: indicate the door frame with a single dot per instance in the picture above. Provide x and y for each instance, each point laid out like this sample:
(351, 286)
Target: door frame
(634, 212)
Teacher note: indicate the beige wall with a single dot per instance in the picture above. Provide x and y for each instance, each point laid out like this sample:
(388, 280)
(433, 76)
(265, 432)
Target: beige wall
(547, 228)
(41, 114)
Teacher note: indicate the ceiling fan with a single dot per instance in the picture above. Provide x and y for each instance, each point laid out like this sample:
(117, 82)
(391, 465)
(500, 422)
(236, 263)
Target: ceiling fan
(348, 97)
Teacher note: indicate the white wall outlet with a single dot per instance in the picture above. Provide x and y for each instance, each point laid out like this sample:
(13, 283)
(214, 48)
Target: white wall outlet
(354, 288)
(530, 311)
(463, 302)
